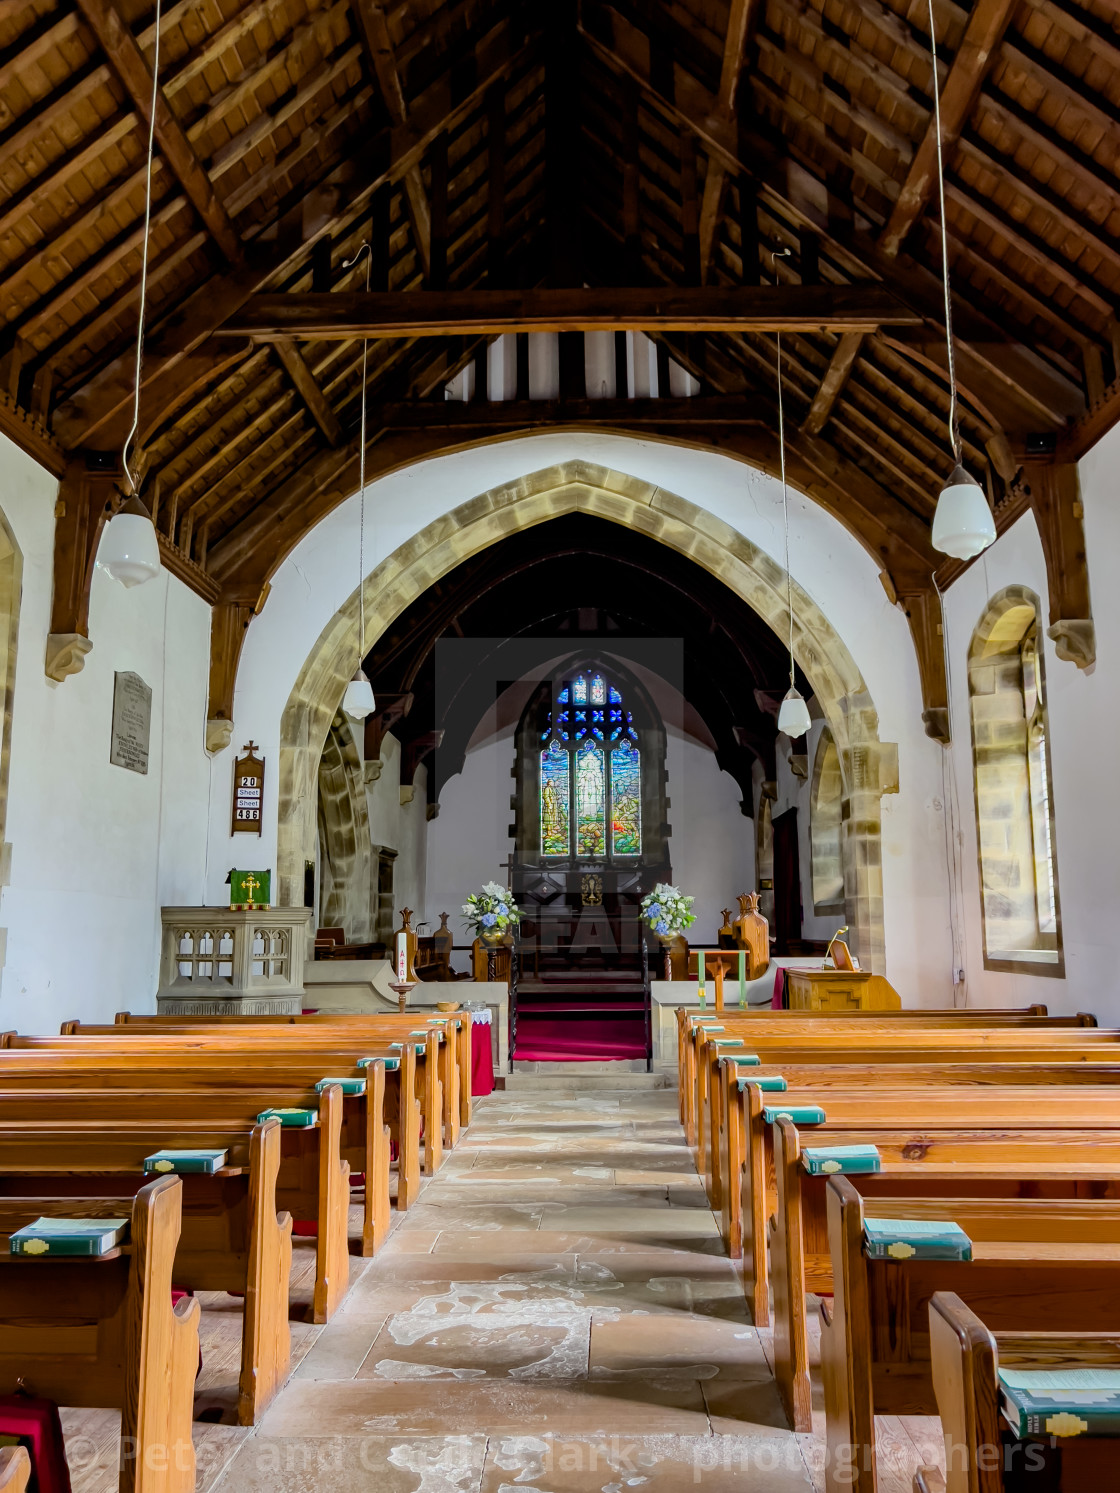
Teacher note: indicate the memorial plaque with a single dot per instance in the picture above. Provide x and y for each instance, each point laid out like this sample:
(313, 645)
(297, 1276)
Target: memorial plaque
(132, 723)
(248, 793)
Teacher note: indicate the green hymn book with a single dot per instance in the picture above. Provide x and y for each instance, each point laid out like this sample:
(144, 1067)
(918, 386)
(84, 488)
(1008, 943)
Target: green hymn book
(828, 1161)
(347, 1085)
(800, 1114)
(207, 1162)
(915, 1239)
(769, 1083)
(294, 1118)
(69, 1236)
(1061, 1402)
(391, 1064)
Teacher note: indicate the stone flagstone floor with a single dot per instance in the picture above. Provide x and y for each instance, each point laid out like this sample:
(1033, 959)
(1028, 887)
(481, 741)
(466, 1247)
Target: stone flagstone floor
(556, 1315)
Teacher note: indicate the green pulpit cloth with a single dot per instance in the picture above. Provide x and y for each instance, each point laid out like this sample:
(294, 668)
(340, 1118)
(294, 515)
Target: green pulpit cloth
(250, 888)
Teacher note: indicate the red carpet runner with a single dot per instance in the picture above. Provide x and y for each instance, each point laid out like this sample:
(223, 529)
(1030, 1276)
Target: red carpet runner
(548, 1039)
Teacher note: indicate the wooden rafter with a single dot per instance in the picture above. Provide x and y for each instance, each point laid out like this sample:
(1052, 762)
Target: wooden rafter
(959, 94)
(741, 20)
(373, 28)
(97, 415)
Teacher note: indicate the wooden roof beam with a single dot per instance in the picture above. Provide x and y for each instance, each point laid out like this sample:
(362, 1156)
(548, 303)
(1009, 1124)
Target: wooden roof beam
(129, 66)
(741, 21)
(490, 313)
(97, 414)
(959, 95)
(308, 389)
(373, 28)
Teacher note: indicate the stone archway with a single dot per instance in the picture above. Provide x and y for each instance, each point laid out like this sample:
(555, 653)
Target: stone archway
(581, 486)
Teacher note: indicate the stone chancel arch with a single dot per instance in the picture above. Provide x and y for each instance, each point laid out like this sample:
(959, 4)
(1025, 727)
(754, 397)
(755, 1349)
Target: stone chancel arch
(635, 504)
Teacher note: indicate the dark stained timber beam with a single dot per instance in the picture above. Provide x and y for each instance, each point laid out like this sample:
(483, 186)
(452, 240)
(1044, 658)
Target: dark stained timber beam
(308, 390)
(373, 28)
(983, 35)
(1055, 497)
(741, 20)
(487, 313)
(127, 62)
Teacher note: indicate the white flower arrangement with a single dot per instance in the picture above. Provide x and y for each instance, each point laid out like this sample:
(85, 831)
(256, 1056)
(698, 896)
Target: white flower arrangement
(667, 911)
(492, 910)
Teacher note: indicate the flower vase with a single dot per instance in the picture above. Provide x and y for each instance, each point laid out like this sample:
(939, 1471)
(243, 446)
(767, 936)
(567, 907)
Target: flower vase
(491, 936)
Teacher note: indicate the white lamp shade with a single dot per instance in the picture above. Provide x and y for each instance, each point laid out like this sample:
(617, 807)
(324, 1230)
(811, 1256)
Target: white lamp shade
(963, 525)
(129, 550)
(358, 701)
(793, 717)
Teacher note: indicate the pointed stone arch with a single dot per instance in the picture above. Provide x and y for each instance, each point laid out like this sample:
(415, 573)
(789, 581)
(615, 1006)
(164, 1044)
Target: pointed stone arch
(633, 503)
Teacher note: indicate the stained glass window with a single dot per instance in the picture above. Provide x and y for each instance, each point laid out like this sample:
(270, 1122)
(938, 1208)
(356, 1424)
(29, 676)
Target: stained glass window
(626, 799)
(591, 777)
(591, 801)
(556, 793)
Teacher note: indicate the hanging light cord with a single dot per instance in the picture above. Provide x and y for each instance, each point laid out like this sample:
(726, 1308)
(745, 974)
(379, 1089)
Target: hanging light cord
(954, 423)
(785, 505)
(144, 257)
(367, 249)
(781, 254)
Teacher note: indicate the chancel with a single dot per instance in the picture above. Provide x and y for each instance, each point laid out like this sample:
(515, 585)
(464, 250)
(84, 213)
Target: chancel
(557, 676)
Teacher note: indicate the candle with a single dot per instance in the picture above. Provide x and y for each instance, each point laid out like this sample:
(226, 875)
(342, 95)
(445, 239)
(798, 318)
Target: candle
(700, 973)
(742, 977)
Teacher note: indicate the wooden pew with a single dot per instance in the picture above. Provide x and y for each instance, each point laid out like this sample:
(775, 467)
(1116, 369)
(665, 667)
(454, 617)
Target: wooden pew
(746, 1161)
(414, 1092)
(1035, 1262)
(291, 1079)
(232, 1238)
(916, 1042)
(439, 1060)
(105, 1334)
(966, 1356)
(967, 1162)
(112, 1130)
(773, 1025)
(456, 1077)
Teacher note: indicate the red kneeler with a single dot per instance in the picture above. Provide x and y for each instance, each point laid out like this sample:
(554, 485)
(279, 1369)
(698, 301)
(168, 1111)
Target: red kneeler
(35, 1424)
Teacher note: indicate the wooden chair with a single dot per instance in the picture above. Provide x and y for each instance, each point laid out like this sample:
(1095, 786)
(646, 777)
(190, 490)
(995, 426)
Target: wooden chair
(106, 1335)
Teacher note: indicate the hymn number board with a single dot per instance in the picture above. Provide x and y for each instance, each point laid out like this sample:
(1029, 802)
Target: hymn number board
(248, 792)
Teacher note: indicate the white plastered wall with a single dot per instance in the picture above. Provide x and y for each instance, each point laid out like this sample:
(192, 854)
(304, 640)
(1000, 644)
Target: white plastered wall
(1083, 708)
(96, 850)
(832, 567)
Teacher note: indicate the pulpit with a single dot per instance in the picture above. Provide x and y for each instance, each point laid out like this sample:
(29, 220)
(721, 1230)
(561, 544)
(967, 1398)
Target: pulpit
(840, 990)
(223, 961)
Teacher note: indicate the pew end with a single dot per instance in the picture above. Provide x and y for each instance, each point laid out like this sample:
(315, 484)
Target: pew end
(15, 1469)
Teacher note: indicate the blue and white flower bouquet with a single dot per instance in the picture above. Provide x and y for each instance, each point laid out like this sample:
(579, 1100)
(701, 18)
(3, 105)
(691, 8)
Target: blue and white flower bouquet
(492, 911)
(667, 911)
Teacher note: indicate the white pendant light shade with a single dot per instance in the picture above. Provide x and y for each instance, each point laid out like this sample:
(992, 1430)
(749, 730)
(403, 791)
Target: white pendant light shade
(793, 717)
(358, 701)
(129, 549)
(963, 525)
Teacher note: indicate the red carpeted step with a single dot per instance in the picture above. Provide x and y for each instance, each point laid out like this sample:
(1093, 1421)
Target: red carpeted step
(547, 1039)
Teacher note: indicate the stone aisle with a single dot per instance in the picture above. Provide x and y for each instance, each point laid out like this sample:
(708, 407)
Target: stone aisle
(556, 1315)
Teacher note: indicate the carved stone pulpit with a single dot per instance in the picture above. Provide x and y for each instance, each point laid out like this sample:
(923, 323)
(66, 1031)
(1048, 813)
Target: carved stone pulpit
(222, 961)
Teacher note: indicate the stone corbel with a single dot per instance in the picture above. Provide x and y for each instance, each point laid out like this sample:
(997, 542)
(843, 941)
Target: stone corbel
(219, 733)
(1054, 491)
(87, 497)
(923, 612)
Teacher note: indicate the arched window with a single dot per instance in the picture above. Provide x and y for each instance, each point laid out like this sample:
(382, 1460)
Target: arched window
(591, 774)
(825, 828)
(1014, 805)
